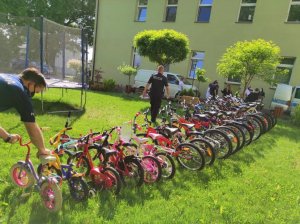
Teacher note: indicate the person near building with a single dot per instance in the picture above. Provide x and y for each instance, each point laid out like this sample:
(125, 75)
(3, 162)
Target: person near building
(227, 90)
(157, 84)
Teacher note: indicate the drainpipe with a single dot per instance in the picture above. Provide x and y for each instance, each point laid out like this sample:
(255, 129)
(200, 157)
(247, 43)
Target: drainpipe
(95, 37)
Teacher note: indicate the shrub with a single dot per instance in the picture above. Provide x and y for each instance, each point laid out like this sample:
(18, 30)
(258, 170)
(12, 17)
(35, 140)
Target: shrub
(296, 115)
(127, 70)
(187, 92)
(109, 85)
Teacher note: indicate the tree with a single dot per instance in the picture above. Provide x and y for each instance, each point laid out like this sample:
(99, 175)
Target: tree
(162, 46)
(200, 76)
(74, 13)
(127, 70)
(251, 59)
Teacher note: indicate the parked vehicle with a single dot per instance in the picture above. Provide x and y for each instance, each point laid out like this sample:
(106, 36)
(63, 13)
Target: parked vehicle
(143, 76)
(286, 96)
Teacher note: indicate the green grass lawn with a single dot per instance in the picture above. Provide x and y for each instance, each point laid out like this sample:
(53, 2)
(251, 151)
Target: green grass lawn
(260, 184)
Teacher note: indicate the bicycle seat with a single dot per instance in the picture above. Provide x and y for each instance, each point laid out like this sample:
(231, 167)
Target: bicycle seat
(172, 130)
(189, 126)
(155, 135)
(202, 117)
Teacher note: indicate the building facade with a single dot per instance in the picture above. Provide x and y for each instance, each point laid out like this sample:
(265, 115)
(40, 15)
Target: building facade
(211, 26)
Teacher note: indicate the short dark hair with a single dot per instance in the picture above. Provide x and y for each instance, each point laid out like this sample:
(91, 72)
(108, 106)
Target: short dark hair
(34, 75)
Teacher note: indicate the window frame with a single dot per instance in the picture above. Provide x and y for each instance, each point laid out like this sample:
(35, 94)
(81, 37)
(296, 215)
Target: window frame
(287, 66)
(139, 7)
(246, 5)
(200, 5)
(166, 12)
(193, 58)
(292, 3)
(233, 82)
(135, 54)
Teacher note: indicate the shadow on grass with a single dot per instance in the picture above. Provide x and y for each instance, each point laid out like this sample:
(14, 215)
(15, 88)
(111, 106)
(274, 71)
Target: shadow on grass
(184, 179)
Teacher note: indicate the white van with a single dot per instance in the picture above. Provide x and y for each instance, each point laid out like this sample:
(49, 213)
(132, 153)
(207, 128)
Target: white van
(286, 96)
(142, 77)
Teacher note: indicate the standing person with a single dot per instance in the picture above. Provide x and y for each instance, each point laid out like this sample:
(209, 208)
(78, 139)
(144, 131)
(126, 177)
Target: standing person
(227, 90)
(248, 91)
(158, 83)
(16, 92)
(214, 89)
(253, 96)
(180, 85)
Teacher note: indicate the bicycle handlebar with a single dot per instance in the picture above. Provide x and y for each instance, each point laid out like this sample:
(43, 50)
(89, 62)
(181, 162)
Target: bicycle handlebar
(23, 144)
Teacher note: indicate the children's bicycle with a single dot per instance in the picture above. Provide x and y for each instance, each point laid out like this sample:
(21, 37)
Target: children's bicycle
(24, 176)
(78, 187)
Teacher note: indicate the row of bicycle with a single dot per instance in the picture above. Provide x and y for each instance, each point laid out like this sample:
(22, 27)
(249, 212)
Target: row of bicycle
(136, 152)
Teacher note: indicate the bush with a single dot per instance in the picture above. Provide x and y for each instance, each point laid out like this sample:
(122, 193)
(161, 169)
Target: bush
(296, 115)
(109, 85)
(187, 92)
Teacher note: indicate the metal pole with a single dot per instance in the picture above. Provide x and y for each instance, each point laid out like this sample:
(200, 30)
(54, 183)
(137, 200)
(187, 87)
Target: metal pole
(82, 66)
(95, 38)
(27, 48)
(42, 52)
(64, 55)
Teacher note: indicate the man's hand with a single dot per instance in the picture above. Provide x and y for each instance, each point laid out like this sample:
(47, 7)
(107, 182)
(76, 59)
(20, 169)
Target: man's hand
(14, 138)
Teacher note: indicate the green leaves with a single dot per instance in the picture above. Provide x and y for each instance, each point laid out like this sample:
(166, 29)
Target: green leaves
(162, 46)
(127, 70)
(249, 59)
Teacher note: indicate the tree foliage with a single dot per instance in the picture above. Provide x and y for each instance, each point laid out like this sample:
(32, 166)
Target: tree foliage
(162, 46)
(74, 13)
(127, 70)
(251, 59)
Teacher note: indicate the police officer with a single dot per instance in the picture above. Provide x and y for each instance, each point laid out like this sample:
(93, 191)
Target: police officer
(158, 82)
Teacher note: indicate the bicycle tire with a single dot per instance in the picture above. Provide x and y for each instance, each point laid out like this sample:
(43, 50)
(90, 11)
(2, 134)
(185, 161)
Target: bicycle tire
(240, 133)
(51, 195)
(208, 149)
(136, 174)
(190, 153)
(167, 165)
(79, 189)
(26, 179)
(224, 146)
(83, 167)
(112, 180)
(148, 169)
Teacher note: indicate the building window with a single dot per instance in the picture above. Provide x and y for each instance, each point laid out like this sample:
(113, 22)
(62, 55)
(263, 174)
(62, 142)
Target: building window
(136, 58)
(247, 10)
(204, 10)
(294, 13)
(197, 62)
(234, 80)
(171, 10)
(142, 10)
(287, 63)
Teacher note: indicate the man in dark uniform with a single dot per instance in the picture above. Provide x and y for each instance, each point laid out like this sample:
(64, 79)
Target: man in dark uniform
(16, 92)
(158, 83)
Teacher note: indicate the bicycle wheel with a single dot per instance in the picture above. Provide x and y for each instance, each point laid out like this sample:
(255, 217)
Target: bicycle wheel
(257, 127)
(167, 165)
(152, 169)
(81, 164)
(235, 140)
(240, 133)
(190, 156)
(248, 132)
(111, 180)
(21, 175)
(78, 188)
(133, 173)
(207, 148)
(51, 196)
(220, 141)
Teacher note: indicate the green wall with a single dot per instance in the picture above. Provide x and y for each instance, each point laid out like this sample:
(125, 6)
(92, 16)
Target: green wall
(117, 27)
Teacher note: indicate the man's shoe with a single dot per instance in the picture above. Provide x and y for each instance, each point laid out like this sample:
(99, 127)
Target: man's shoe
(46, 158)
